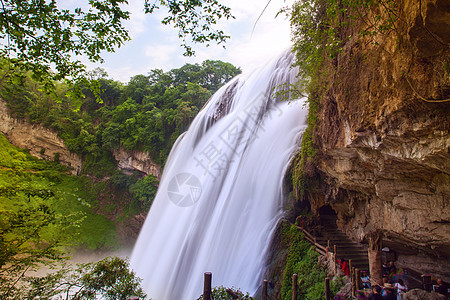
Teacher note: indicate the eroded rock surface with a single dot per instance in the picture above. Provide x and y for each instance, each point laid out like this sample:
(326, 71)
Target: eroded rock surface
(40, 141)
(383, 138)
(131, 161)
(46, 144)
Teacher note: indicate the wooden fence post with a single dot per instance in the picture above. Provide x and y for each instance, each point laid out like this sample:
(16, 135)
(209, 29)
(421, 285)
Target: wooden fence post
(426, 281)
(294, 286)
(264, 290)
(207, 286)
(327, 249)
(335, 260)
(350, 269)
(353, 274)
(358, 279)
(352, 278)
(327, 289)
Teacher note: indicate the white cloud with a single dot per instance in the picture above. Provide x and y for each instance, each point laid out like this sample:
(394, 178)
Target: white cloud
(247, 48)
(161, 56)
(138, 19)
(157, 46)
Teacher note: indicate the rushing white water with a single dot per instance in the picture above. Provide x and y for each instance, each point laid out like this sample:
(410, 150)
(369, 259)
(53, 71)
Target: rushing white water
(220, 195)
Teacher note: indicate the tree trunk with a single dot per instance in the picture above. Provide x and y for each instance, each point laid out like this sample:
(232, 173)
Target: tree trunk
(375, 259)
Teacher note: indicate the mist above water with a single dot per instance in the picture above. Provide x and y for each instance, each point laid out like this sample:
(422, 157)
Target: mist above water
(220, 195)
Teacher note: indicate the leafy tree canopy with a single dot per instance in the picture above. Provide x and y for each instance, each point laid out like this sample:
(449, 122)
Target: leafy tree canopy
(194, 19)
(109, 278)
(146, 114)
(37, 35)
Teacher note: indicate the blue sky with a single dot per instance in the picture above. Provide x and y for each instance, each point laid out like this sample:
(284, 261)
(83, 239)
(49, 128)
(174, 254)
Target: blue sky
(156, 46)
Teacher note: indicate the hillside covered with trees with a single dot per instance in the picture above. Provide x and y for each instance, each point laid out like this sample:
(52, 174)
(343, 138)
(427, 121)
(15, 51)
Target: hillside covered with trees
(42, 204)
(147, 114)
(44, 210)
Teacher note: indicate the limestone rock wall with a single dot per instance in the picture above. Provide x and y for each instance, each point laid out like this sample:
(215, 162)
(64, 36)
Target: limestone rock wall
(45, 143)
(35, 138)
(130, 161)
(383, 137)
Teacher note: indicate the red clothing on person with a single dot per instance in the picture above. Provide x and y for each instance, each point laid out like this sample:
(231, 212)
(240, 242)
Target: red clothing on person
(344, 268)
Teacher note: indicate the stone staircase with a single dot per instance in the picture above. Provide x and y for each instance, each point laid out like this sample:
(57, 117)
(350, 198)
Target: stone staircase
(349, 249)
(346, 248)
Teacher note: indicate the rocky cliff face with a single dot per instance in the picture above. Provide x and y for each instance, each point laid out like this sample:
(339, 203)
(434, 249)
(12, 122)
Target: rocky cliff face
(383, 137)
(40, 141)
(46, 144)
(131, 161)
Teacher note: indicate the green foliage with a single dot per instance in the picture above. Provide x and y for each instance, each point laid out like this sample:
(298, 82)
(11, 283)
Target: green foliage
(320, 28)
(43, 212)
(109, 278)
(28, 183)
(301, 174)
(31, 235)
(298, 247)
(303, 260)
(223, 293)
(194, 19)
(144, 191)
(40, 36)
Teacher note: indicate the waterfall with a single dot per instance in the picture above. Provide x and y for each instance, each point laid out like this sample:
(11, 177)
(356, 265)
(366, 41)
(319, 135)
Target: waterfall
(220, 195)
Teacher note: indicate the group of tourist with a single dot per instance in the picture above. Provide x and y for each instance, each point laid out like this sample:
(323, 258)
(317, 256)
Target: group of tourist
(388, 291)
(393, 286)
(394, 292)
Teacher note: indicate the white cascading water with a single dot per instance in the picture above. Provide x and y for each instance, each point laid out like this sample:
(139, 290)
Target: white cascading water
(220, 195)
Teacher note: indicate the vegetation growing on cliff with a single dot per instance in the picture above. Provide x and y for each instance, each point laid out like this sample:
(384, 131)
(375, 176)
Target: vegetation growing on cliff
(44, 212)
(320, 28)
(147, 114)
(40, 194)
(302, 260)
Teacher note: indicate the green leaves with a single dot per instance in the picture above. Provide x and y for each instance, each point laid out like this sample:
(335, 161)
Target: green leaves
(31, 235)
(223, 293)
(195, 20)
(109, 279)
(40, 36)
(48, 41)
(144, 191)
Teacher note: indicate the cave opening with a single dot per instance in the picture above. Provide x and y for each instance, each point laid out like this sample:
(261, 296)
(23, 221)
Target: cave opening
(327, 215)
(326, 210)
